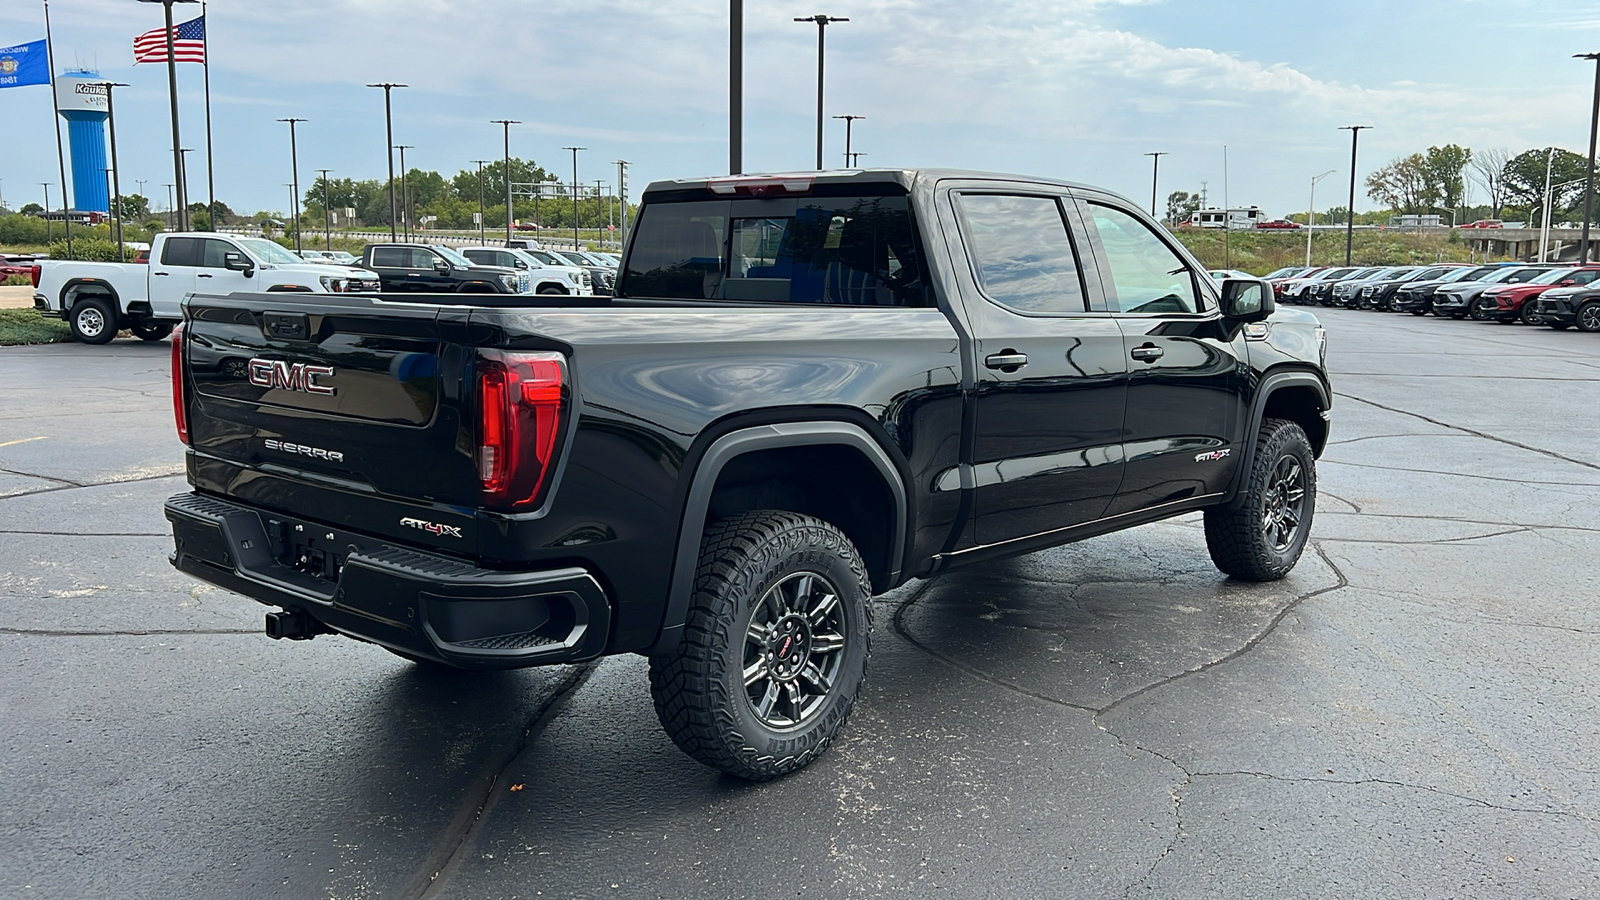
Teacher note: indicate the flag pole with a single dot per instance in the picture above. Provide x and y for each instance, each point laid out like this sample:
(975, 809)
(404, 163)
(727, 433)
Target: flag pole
(172, 94)
(211, 182)
(55, 124)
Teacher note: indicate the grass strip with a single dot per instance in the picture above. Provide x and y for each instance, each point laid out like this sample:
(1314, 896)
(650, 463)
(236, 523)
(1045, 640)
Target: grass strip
(26, 326)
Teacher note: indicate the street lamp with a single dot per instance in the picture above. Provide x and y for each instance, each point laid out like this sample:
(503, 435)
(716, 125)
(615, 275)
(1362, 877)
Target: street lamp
(622, 201)
(1311, 211)
(294, 172)
(183, 188)
(172, 219)
(49, 233)
(506, 125)
(575, 194)
(1155, 171)
(327, 214)
(116, 183)
(405, 192)
(388, 144)
(1588, 178)
(735, 86)
(855, 159)
(823, 21)
(480, 163)
(848, 121)
(1350, 211)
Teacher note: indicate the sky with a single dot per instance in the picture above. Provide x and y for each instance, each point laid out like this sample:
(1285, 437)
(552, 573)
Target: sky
(1072, 89)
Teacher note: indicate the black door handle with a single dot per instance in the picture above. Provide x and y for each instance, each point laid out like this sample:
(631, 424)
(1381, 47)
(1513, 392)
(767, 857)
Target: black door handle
(162, 274)
(1007, 360)
(202, 275)
(1147, 353)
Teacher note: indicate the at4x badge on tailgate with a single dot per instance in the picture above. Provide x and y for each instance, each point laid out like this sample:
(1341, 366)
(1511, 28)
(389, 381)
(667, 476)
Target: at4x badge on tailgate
(431, 527)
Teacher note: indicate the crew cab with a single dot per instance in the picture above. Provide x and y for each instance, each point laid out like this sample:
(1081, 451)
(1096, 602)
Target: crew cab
(435, 268)
(544, 278)
(99, 298)
(807, 389)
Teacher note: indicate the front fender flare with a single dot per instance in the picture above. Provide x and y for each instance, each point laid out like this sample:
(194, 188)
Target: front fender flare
(1274, 381)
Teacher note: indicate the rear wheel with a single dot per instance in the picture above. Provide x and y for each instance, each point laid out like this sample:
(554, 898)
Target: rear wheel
(1262, 539)
(774, 647)
(151, 330)
(1589, 316)
(93, 321)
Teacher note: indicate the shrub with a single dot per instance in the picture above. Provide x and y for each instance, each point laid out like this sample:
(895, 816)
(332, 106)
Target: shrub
(19, 229)
(18, 281)
(92, 249)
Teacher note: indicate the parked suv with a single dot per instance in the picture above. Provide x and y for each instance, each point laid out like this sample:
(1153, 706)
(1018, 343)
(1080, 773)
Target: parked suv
(434, 268)
(545, 278)
(1344, 293)
(1378, 293)
(1456, 300)
(1515, 302)
(1564, 307)
(1416, 297)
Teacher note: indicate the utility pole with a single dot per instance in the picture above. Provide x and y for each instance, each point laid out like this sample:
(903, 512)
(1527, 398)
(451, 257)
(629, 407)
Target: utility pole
(575, 194)
(294, 171)
(622, 200)
(172, 98)
(1588, 176)
(480, 163)
(405, 192)
(1155, 172)
(848, 121)
(855, 159)
(1311, 211)
(172, 222)
(388, 145)
(823, 21)
(506, 125)
(116, 181)
(735, 87)
(327, 214)
(1350, 210)
(49, 232)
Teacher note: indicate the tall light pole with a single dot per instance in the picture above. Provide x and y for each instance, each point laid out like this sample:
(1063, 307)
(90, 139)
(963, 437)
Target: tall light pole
(172, 220)
(480, 163)
(49, 232)
(855, 159)
(622, 200)
(575, 194)
(405, 193)
(294, 177)
(1311, 211)
(327, 214)
(848, 121)
(183, 187)
(388, 145)
(823, 21)
(1588, 177)
(1155, 171)
(506, 125)
(735, 87)
(116, 182)
(1350, 210)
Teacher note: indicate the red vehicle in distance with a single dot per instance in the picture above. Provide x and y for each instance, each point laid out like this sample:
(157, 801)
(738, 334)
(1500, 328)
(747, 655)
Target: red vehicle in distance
(1515, 302)
(1278, 223)
(1485, 223)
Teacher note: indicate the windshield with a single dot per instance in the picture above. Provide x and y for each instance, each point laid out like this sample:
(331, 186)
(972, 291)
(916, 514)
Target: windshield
(1334, 273)
(1469, 274)
(455, 258)
(1553, 276)
(1428, 274)
(549, 259)
(270, 251)
(527, 257)
(573, 259)
(1400, 272)
(1505, 274)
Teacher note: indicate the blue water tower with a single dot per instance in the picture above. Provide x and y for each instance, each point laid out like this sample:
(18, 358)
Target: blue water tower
(81, 100)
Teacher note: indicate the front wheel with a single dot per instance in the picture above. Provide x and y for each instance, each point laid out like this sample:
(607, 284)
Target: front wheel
(1529, 316)
(774, 647)
(93, 321)
(1589, 316)
(149, 330)
(1262, 537)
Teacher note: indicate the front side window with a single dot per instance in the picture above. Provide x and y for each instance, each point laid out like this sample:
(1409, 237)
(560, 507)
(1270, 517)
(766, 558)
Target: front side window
(1021, 253)
(1146, 275)
(216, 254)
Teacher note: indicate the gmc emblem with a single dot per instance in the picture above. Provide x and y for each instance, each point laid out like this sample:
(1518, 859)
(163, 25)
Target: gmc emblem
(276, 373)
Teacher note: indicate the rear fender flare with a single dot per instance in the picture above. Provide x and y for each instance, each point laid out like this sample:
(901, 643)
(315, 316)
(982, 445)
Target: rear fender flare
(70, 291)
(1274, 381)
(747, 440)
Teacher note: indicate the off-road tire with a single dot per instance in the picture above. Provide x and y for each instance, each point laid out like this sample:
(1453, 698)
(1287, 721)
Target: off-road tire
(151, 331)
(1589, 316)
(93, 321)
(1242, 539)
(700, 690)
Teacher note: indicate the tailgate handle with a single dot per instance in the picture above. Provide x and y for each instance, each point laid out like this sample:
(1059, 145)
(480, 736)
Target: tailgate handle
(287, 326)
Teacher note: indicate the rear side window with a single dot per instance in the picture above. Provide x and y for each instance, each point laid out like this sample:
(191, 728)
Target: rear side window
(392, 257)
(848, 251)
(181, 252)
(1021, 252)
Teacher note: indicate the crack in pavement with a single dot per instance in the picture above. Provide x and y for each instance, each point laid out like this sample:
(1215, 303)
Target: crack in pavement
(1477, 801)
(1355, 465)
(155, 534)
(40, 477)
(445, 856)
(1414, 434)
(73, 486)
(1483, 434)
(45, 632)
(1454, 540)
(1465, 521)
(1556, 378)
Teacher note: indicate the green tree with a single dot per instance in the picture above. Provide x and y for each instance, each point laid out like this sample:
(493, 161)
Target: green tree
(1181, 205)
(1403, 184)
(1525, 181)
(1445, 172)
(134, 206)
(32, 209)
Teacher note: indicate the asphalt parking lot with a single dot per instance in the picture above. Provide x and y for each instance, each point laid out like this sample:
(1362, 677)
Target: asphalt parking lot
(1411, 713)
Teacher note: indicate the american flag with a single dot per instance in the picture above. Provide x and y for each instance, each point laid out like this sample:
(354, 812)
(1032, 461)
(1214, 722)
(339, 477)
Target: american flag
(188, 43)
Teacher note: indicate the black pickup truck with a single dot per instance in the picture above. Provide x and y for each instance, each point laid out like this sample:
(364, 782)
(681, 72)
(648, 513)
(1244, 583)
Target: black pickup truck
(808, 388)
(437, 269)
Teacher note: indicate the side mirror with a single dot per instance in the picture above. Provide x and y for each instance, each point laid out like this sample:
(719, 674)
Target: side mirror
(441, 266)
(1568, 283)
(1246, 299)
(238, 263)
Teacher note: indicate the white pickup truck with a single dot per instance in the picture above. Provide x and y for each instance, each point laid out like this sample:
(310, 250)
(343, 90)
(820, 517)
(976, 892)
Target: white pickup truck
(99, 298)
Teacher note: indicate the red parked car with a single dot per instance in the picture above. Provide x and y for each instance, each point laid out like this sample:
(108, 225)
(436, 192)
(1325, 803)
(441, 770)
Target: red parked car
(1279, 223)
(1485, 223)
(1513, 302)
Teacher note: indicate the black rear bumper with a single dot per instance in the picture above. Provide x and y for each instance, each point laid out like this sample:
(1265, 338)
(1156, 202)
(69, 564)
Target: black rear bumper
(422, 604)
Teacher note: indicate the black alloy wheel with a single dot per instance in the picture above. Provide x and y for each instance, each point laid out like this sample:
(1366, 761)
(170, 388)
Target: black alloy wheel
(774, 647)
(1261, 536)
(1530, 314)
(1589, 316)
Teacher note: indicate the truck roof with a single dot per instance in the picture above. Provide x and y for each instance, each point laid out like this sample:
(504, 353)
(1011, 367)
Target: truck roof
(906, 178)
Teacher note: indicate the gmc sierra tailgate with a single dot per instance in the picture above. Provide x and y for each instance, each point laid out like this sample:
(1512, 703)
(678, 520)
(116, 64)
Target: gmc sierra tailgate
(342, 409)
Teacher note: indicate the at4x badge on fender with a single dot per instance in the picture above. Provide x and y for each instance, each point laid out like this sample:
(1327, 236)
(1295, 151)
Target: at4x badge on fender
(1213, 455)
(431, 527)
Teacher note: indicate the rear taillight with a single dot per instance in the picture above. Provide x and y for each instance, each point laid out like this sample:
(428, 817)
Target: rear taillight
(180, 406)
(520, 396)
(33, 272)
